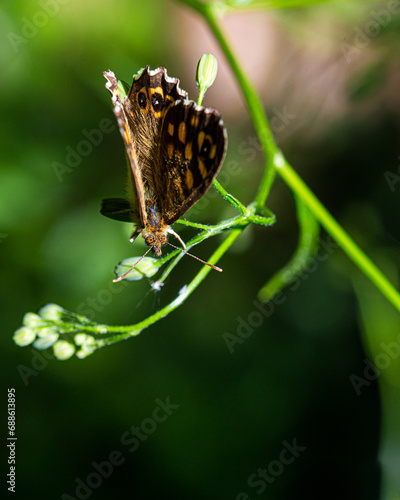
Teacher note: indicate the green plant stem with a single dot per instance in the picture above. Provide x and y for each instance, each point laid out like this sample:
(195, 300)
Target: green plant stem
(254, 213)
(128, 331)
(254, 104)
(229, 198)
(202, 93)
(307, 246)
(241, 221)
(228, 6)
(119, 333)
(275, 162)
(196, 225)
(337, 232)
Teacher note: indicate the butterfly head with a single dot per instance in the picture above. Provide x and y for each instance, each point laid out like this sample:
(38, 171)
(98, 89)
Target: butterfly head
(156, 240)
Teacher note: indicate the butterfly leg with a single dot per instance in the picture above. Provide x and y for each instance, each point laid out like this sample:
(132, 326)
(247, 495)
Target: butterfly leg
(135, 235)
(171, 231)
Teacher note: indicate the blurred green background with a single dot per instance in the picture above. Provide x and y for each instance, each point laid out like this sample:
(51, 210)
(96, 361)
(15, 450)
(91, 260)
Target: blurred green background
(330, 84)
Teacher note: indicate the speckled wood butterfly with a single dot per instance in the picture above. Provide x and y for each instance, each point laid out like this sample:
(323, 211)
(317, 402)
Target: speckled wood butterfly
(174, 148)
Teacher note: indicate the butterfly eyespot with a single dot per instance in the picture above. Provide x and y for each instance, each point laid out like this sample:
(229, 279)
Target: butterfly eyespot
(142, 100)
(205, 148)
(163, 240)
(157, 101)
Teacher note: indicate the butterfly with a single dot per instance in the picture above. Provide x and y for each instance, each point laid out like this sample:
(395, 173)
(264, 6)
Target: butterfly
(174, 150)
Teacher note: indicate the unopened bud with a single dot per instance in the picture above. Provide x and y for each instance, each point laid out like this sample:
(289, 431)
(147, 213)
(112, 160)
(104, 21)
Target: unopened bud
(24, 336)
(45, 339)
(87, 344)
(51, 312)
(31, 319)
(85, 351)
(206, 71)
(63, 350)
(145, 268)
(84, 339)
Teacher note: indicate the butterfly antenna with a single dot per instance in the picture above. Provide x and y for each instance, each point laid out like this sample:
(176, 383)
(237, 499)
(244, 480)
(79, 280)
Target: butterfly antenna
(134, 265)
(171, 231)
(200, 260)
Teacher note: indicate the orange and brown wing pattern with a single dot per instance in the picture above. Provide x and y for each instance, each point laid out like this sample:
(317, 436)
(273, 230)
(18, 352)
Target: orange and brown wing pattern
(153, 91)
(149, 98)
(192, 148)
(174, 147)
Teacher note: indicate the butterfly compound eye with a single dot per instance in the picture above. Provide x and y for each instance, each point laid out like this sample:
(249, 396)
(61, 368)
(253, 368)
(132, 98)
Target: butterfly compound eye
(157, 101)
(142, 101)
(149, 239)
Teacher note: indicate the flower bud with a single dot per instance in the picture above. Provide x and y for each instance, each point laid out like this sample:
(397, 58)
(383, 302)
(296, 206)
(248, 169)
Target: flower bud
(206, 71)
(52, 312)
(45, 341)
(84, 339)
(48, 330)
(85, 351)
(147, 267)
(63, 350)
(31, 319)
(24, 336)
(87, 343)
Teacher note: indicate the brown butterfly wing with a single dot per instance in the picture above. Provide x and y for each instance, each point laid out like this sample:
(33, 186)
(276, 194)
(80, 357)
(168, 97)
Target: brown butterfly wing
(139, 117)
(136, 197)
(150, 96)
(174, 147)
(192, 148)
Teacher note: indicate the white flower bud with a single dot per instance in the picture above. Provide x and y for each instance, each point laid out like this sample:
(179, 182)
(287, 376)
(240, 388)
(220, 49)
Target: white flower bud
(31, 319)
(85, 351)
(63, 350)
(84, 339)
(24, 336)
(206, 71)
(147, 267)
(45, 341)
(51, 312)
